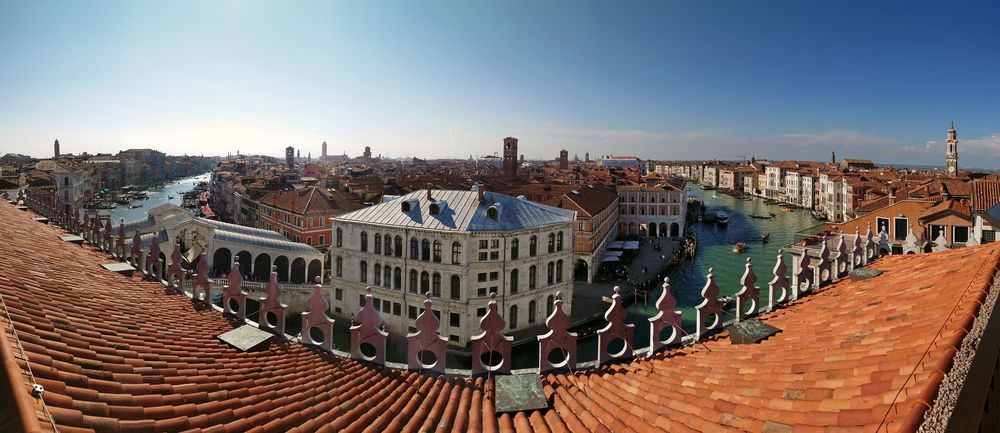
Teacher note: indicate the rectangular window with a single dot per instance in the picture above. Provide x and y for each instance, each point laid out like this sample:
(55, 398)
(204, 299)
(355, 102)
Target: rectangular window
(484, 244)
(361, 300)
(483, 256)
(482, 276)
(989, 236)
(309, 240)
(494, 255)
(960, 234)
(453, 337)
(881, 225)
(321, 240)
(397, 309)
(480, 312)
(495, 243)
(580, 227)
(936, 230)
(411, 311)
(900, 228)
(481, 292)
(453, 319)
(494, 276)
(338, 294)
(377, 303)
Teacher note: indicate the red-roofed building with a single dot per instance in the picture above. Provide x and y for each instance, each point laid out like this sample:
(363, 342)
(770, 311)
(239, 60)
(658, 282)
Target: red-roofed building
(303, 215)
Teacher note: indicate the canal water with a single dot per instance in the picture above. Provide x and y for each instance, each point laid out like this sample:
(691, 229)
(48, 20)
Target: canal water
(158, 196)
(715, 250)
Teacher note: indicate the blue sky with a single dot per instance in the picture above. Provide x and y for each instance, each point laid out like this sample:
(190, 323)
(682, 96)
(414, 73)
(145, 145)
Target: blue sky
(662, 80)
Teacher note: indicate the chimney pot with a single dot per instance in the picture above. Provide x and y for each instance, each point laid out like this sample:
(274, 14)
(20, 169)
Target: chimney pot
(429, 192)
(479, 190)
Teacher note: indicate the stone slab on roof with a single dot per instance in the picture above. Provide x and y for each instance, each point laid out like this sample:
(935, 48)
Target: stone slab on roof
(851, 357)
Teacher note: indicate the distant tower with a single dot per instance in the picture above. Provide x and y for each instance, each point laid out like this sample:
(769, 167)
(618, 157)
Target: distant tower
(951, 155)
(368, 153)
(563, 160)
(324, 151)
(833, 157)
(510, 156)
(586, 157)
(298, 153)
(56, 146)
(290, 157)
(309, 157)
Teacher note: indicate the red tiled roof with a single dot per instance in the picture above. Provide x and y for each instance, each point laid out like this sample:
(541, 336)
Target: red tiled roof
(985, 194)
(116, 354)
(311, 200)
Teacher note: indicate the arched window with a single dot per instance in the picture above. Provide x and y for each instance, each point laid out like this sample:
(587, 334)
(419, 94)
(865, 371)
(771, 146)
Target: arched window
(492, 213)
(435, 209)
(377, 274)
(387, 277)
(397, 279)
(425, 250)
(340, 237)
(363, 268)
(425, 282)
(513, 281)
(413, 281)
(559, 241)
(549, 306)
(378, 243)
(514, 244)
(436, 285)
(532, 310)
(559, 271)
(532, 277)
(398, 246)
(456, 253)
(388, 245)
(456, 287)
(414, 249)
(437, 251)
(340, 266)
(533, 246)
(552, 242)
(551, 274)
(512, 319)
(364, 241)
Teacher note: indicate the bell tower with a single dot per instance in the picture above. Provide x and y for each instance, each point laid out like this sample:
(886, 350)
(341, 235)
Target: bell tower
(510, 157)
(951, 154)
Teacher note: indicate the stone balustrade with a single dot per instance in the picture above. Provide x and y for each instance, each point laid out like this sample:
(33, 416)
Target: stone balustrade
(813, 267)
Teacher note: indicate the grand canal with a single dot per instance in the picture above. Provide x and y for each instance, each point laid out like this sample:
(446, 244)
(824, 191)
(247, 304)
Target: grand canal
(172, 192)
(715, 250)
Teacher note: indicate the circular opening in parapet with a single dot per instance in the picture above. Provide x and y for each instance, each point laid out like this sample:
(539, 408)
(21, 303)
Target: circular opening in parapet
(234, 306)
(316, 335)
(857, 261)
(824, 275)
(714, 322)
(667, 335)
(750, 307)
(617, 348)
(427, 359)
(271, 319)
(491, 360)
(367, 351)
(558, 357)
(804, 286)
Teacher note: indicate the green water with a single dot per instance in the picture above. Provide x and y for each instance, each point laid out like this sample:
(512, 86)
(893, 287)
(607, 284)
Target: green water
(172, 192)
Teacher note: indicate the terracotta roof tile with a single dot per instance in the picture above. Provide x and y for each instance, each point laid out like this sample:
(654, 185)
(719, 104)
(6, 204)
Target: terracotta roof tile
(107, 371)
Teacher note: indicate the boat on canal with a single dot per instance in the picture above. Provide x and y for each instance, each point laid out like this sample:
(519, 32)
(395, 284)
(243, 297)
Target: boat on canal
(721, 217)
(739, 247)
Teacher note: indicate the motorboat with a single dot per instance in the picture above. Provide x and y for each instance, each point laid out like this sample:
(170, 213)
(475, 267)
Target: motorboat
(766, 238)
(739, 247)
(722, 217)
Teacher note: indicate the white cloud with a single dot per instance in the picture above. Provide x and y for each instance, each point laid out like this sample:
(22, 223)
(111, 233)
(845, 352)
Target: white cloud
(988, 146)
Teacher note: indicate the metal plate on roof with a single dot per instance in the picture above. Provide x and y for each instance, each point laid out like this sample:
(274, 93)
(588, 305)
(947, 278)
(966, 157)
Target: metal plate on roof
(864, 274)
(519, 392)
(119, 267)
(42, 220)
(750, 331)
(245, 337)
(72, 239)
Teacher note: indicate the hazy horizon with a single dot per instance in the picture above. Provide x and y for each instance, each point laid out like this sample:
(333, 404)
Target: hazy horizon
(442, 79)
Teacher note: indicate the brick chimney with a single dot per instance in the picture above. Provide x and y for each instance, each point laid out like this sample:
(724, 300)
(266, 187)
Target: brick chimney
(429, 198)
(892, 196)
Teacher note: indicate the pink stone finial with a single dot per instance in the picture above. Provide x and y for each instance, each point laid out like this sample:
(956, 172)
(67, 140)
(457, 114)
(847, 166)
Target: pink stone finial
(317, 327)
(615, 330)
(748, 297)
(272, 311)
(709, 308)
(557, 339)
(491, 340)
(201, 290)
(666, 317)
(176, 274)
(234, 299)
(367, 335)
(426, 347)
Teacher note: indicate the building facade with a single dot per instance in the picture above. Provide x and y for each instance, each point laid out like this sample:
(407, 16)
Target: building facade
(461, 247)
(652, 211)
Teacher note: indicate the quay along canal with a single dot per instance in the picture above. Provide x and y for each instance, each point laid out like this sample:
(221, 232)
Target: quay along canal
(171, 192)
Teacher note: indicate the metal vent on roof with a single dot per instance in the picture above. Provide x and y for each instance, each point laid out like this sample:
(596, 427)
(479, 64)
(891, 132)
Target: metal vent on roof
(575, 192)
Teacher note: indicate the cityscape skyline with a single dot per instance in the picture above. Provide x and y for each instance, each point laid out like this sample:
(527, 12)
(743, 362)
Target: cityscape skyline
(660, 81)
